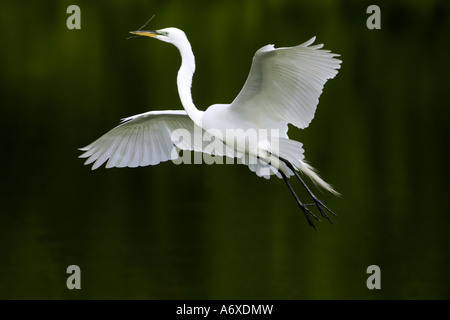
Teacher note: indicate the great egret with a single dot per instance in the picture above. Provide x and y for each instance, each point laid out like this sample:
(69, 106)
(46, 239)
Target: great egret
(283, 87)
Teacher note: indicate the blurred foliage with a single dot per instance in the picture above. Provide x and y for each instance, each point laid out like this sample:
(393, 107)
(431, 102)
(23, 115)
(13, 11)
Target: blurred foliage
(219, 232)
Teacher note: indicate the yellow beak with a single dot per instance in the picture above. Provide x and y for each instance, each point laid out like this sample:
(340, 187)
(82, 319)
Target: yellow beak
(151, 33)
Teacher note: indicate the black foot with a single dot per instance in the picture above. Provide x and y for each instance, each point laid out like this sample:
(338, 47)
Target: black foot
(317, 202)
(303, 207)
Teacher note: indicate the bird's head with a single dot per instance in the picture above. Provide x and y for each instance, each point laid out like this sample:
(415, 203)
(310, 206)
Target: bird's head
(170, 35)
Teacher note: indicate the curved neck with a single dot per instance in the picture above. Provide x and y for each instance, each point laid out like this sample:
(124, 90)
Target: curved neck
(184, 82)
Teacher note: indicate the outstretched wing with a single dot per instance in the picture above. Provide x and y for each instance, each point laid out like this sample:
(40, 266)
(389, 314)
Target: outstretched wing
(144, 139)
(284, 84)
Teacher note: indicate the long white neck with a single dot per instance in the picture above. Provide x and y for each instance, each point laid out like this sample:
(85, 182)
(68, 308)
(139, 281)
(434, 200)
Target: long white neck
(184, 82)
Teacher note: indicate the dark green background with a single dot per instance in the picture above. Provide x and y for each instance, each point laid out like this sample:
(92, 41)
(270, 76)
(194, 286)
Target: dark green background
(380, 136)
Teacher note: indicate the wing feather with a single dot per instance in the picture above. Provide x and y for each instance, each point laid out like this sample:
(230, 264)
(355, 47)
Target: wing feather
(284, 84)
(141, 140)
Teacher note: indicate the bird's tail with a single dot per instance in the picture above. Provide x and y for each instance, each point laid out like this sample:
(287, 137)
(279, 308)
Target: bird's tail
(316, 179)
(292, 151)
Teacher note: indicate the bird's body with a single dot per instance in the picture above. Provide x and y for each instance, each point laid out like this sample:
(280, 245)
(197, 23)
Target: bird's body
(283, 87)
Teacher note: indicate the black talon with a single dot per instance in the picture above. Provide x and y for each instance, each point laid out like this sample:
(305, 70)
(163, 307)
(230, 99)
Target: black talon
(317, 202)
(302, 206)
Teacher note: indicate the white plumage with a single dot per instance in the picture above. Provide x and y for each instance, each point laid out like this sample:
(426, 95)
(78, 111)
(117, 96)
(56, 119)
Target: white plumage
(283, 86)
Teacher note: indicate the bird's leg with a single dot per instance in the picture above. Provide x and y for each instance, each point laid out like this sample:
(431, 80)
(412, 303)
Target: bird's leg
(302, 206)
(319, 203)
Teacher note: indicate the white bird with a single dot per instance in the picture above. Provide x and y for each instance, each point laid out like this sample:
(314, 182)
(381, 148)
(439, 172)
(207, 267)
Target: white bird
(283, 87)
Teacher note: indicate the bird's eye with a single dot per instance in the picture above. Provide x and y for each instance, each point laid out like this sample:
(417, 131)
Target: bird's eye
(163, 33)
